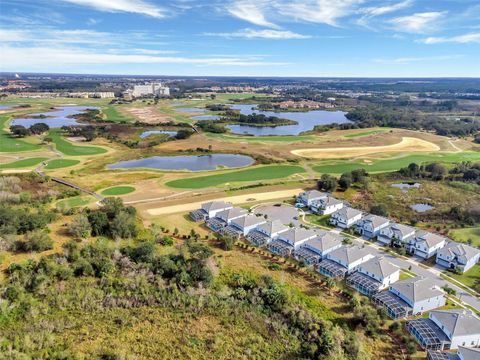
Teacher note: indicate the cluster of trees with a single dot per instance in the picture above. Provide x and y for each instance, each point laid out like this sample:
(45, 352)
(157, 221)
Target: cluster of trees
(35, 129)
(88, 132)
(217, 107)
(464, 171)
(331, 183)
(259, 120)
(89, 115)
(212, 126)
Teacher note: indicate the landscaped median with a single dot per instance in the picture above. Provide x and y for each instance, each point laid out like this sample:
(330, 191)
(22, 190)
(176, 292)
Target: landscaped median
(258, 173)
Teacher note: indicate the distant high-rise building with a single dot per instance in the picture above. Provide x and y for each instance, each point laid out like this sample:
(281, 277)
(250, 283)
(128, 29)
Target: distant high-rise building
(156, 89)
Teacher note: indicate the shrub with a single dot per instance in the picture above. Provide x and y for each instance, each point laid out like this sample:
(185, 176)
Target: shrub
(80, 227)
(35, 241)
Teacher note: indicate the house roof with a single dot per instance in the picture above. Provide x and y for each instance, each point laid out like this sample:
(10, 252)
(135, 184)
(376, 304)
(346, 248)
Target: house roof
(325, 241)
(347, 212)
(216, 205)
(249, 220)
(461, 251)
(313, 194)
(458, 322)
(349, 254)
(402, 229)
(469, 353)
(329, 201)
(380, 267)
(376, 220)
(430, 238)
(273, 226)
(417, 288)
(298, 234)
(232, 213)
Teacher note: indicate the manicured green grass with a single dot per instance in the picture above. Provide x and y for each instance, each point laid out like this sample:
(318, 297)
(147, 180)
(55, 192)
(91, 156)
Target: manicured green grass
(69, 149)
(118, 190)
(253, 174)
(75, 201)
(112, 114)
(11, 144)
(471, 278)
(365, 133)
(463, 235)
(23, 163)
(61, 163)
(394, 164)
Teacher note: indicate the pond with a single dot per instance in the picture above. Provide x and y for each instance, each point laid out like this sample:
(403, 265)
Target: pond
(187, 162)
(7, 106)
(191, 110)
(55, 118)
(145, 134)
(306, 121)
(206, 117)
(421, 207)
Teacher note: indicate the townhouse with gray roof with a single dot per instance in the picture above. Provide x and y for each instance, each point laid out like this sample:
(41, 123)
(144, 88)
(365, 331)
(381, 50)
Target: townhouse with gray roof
(326, 206)
(290, 240)
(243, 225)
(209, 210)
(396, 234)
(370, 226)
(266, 232)
(314, 250)
(306, 198)
(224, 218)
(463, 353)
(346, 217)
(410, 297)
(446, 330)
(344, 260)
(374, 275)
(425, 244)
(456, 256)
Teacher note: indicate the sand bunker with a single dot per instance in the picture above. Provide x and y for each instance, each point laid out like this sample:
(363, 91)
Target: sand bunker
(148, 115)
(408, 144)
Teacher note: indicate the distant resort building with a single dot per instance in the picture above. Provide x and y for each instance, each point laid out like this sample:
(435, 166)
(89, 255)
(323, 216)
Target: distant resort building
(397, 234)
(460, 257)
(346, 217)
(426, 244)
(314, 250)
(446, 330)
(370, 226)
(343, 261)
(410, 297)
(150, 89)
(374, 275)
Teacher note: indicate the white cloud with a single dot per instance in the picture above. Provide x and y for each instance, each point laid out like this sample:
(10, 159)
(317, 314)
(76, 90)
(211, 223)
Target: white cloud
(251, 11)
(417, 23)
(262, 34)
(386, 9)
(409, 60)
(461, 39)
(129, 6)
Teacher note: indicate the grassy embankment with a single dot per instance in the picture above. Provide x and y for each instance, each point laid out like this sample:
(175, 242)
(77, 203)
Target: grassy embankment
(23, 163)
(67, 148)
(112, 113)
(466, 234)
(118, 190)
(61, 163)
(252, 174)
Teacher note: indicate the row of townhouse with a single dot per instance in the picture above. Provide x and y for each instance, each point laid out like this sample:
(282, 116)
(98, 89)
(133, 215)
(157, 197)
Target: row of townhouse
(423, 244)
(372, 276)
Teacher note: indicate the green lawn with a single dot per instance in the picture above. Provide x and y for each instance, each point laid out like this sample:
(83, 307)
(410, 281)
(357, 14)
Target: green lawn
(112, 114)
(11, 144)
(118, 190)
(75, 201)
(61, 163)
(471, 278)
(394, 164)
(252, 174)
(365, 133)
(465, 234)
(69, 149)
(23, 163)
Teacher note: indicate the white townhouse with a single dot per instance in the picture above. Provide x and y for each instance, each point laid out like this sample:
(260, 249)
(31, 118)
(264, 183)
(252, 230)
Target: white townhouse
(374, 275)
(344, 260)
(326, 206)
(306, 198)
(209, 210)
(458, 256)
(346, 217)
(463, 353)
(243, 225)
(224, 218)
(426, 244)
(370, 225)
(397, 234)
(410, 297)
(447, 330)
(314, 250)
(290, 240)
(266, 232)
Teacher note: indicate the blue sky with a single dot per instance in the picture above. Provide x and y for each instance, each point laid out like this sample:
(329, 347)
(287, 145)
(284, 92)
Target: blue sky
(374, 38)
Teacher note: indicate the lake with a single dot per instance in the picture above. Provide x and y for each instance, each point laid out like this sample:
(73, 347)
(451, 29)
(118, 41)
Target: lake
(306, 121)
(8, 106)
(206, 117)
(421, 207)
(187, 162)
(55, 118)
(191, 110)
(153, 132)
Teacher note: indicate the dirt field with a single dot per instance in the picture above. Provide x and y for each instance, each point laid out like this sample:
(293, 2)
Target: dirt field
(149, 115)
(239, 199)
(407, 144)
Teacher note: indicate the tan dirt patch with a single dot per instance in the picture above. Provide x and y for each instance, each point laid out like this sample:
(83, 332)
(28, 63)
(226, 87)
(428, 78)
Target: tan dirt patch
(148, 115)
(408, 144)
